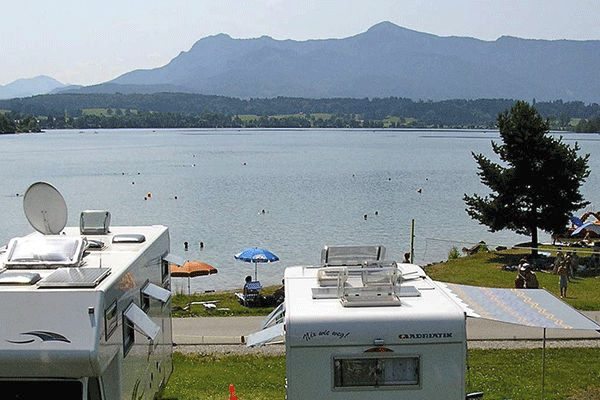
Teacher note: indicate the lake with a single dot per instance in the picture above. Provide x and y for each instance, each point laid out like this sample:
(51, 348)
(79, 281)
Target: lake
(314, 185)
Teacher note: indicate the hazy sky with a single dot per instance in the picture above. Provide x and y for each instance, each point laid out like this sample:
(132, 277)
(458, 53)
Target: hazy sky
(87, 42)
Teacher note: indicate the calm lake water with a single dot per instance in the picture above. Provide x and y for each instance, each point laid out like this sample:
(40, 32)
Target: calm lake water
(315, 186)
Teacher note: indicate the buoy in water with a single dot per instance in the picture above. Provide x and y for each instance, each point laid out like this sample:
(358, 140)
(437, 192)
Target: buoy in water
(149, 195)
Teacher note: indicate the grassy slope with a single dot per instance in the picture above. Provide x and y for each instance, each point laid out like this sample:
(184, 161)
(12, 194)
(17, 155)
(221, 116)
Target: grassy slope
(501, 374)
(225, 300)
(484, 269)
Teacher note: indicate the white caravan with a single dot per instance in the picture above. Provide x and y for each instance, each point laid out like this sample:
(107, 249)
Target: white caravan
(359, 327)
(85, 312)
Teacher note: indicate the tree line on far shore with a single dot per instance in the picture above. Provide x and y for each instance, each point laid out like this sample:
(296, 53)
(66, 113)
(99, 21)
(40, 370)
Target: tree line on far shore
(17, 123)
(171, 110)
(591, 125)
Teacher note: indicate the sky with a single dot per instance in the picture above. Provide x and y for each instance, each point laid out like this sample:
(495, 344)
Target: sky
(91, 41)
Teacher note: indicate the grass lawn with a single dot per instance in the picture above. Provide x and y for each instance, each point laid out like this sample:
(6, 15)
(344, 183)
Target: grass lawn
(208, 377)
(516, 374)
(484, 269)
(502, 374)
(225, 300)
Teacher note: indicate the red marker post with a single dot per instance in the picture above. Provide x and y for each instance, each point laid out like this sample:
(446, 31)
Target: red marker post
(232, 395)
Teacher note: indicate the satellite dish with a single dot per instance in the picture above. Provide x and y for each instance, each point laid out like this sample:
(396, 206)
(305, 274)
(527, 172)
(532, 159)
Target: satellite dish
(45, 208)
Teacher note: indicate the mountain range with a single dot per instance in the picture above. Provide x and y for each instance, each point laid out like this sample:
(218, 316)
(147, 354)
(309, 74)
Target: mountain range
(29, 87)
(386, 60)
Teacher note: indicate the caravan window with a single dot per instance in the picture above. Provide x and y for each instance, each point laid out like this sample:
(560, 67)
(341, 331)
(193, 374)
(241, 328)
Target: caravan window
(34, 390)
(144, 298)
(128, 335)
(375, 371)
(165, 270)
(110, 319)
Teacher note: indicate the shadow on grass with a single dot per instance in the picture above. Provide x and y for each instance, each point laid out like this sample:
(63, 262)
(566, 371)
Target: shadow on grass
(507, 259)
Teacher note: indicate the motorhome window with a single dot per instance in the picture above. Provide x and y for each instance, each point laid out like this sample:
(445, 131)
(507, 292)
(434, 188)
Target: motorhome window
(156, 292)
(375, 372)
(110, 319)
(142, 322)
(44, 250)
(34, 390)
(164, 270)
(93, 389)
(128, 335)
(144, 299)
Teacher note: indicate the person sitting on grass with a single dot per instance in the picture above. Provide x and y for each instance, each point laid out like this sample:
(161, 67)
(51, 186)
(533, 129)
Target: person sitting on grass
(531, 281)
(520, 280)
(247, 280)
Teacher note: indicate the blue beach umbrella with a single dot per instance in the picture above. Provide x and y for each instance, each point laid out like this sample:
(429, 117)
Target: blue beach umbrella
(256, 255)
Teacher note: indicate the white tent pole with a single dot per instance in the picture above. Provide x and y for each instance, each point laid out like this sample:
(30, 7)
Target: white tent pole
(255, 272)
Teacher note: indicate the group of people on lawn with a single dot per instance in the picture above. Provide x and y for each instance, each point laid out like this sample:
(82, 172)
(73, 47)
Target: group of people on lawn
(564, 267)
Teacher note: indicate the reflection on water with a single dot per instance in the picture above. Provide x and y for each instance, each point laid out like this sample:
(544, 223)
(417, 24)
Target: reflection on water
(314, 185)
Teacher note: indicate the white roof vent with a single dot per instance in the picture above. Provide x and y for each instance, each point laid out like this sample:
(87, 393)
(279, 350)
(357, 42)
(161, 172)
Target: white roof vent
(94, 222)
(44, 252)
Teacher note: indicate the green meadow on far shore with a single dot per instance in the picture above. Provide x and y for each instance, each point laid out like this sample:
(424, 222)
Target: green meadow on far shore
(571, 373)
(223, 300)
(104, 112)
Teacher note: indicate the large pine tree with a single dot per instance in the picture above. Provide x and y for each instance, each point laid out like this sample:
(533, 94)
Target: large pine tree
(537, 184)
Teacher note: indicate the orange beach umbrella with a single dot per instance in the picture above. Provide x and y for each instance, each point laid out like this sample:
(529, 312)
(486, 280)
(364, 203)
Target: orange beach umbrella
(191, 269)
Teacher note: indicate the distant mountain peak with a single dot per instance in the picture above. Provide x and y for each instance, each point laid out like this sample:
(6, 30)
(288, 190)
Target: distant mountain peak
(385, 26)
(219, 36)
(385, 60)
(388, 28)
(25, 87)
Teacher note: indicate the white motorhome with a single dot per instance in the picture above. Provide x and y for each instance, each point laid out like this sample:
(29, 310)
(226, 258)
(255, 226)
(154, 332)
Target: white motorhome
(85, 312)
(360, 327)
